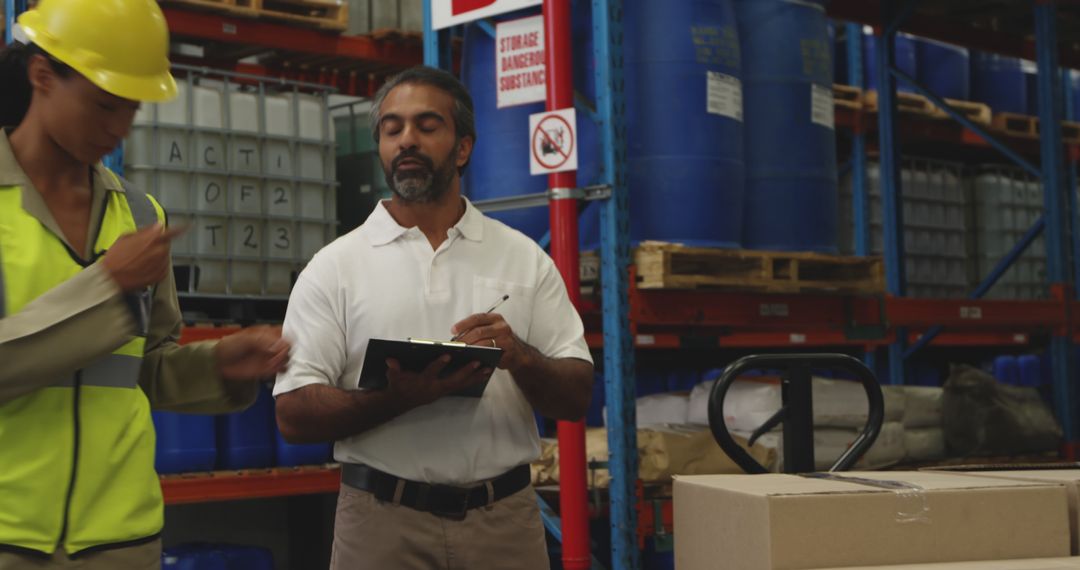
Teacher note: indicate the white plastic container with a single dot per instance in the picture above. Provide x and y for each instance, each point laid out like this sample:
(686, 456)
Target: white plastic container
(313, 201)
(171, 189)
(244, 155)
(245, 278)
(211, 276)
(279, 115)
(211, 235)
(278, 158)
(243, 112)
(281, 239)
(208, 111)
(314, 120)
(278, 278)
(210, 151)
(313, 162)
(245, 196)
(280, 200)
(149, 146)
(210, 193)
(312, 239)
(246, 237)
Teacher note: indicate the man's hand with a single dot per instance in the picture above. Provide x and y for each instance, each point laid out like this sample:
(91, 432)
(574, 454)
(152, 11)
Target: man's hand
(253, 354)
(414, 389)
(140, 259)
(490, 329)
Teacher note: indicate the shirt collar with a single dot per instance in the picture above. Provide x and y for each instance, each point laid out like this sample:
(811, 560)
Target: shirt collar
(383, 228)
(11, 174)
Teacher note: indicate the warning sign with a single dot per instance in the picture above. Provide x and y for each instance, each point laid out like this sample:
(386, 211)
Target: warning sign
(519, 62)
(554, 142)
(446, 13)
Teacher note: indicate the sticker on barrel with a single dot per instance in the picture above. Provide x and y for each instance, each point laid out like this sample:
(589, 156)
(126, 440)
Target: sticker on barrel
(554, 147)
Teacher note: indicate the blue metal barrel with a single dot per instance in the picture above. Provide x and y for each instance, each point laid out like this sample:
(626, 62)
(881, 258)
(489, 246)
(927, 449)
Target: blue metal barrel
(944, 68)
(684, 122)
(499, 166)
(791, 188)
(185, 442)
(998, 81)
(245, 440)
(903, 51)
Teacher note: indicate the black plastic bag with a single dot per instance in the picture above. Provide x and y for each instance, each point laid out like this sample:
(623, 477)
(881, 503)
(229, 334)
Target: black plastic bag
(985, 417)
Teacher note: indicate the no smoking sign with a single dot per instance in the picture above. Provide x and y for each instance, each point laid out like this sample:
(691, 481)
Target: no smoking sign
(553, 142)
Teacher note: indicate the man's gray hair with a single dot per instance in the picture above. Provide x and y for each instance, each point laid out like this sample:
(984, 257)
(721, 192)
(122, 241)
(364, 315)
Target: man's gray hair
(462, 113)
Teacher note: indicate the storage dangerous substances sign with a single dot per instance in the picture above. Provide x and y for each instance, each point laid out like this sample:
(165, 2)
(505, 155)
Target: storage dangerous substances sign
(519, 61)
(554, 142)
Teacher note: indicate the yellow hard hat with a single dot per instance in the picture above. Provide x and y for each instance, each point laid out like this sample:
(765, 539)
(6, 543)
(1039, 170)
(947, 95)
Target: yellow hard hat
(122, 46)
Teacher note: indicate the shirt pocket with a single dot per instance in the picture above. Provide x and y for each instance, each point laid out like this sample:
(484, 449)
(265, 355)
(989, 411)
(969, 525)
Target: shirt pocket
(516, 310)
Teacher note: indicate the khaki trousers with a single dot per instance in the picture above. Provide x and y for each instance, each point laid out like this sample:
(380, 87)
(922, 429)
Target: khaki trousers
(142, 557)
(373, 535)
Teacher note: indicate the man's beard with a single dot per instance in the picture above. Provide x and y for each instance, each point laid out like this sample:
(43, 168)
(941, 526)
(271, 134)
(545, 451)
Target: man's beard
(426, 184)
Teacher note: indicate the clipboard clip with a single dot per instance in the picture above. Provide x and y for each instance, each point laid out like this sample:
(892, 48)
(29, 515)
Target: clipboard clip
(436, 342)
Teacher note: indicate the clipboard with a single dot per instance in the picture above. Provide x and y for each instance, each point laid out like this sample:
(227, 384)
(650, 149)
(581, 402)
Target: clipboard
(415, 354)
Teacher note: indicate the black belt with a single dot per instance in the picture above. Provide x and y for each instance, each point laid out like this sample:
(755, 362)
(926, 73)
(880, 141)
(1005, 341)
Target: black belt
(440, 500)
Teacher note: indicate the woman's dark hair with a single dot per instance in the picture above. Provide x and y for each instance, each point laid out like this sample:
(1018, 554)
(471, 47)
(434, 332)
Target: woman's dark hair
(17, 91)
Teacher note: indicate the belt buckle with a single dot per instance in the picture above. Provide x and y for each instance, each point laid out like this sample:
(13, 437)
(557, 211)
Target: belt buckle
(459, 498)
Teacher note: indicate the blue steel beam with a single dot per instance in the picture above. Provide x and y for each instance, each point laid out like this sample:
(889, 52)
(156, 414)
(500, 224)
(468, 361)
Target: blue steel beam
(891, 193)
(859, 200)
(614, 265)
(1002, 266)
(1070, 115)
(977, 129)
(12, 9)
(431, 38)
(1058, 246)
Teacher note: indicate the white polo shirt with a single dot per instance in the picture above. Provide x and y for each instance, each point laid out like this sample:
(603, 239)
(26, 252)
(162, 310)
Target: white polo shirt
(384, 281)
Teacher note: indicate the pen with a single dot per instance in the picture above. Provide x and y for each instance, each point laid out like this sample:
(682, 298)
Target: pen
(493, 307)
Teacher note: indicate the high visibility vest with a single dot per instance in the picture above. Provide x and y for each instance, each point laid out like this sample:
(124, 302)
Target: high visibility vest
(76, 457)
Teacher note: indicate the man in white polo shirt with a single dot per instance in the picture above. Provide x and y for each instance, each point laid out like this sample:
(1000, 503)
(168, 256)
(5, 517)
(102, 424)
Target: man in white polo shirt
(431, 480)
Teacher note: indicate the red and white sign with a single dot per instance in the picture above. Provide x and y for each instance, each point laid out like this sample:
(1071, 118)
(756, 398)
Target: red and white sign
(554, 141)
(519, 62)
(446, 13)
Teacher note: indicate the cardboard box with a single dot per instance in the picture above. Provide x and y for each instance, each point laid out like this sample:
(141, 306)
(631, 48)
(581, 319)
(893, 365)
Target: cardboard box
(1068, 477)
(1027, 564)
(790, 522)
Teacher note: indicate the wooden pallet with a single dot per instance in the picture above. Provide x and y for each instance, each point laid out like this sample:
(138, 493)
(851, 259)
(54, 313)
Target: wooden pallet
(978, 113)
(905, 103)
(672, 266)
(1017, 125)
(847, 96)
(322, 14)
(1070, 132)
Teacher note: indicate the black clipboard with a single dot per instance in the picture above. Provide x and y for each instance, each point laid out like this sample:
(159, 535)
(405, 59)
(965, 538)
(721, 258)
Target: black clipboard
(414, 355)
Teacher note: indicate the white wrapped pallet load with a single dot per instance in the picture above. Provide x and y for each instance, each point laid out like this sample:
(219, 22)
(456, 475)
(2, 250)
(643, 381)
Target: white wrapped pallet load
(749, 403)
(922, 406)
(924, 444)
(660, 409)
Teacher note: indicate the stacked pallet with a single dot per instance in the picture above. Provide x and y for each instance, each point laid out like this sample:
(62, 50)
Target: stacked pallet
(662, 265)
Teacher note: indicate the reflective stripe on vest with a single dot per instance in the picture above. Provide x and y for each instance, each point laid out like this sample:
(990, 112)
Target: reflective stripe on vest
(87, 438)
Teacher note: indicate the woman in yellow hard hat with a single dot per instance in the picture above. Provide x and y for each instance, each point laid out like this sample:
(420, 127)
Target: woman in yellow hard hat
(88, 311)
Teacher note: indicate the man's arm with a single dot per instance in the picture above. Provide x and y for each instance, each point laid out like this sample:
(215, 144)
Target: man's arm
(553, 369)
(310, 408)
(317, 412)
(558, 388)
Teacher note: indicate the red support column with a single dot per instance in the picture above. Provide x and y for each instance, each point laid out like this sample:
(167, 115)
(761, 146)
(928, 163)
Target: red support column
(573, 499)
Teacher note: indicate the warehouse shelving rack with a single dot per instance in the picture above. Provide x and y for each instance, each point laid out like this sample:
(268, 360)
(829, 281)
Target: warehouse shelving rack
(666, 319)
(1059, 194)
